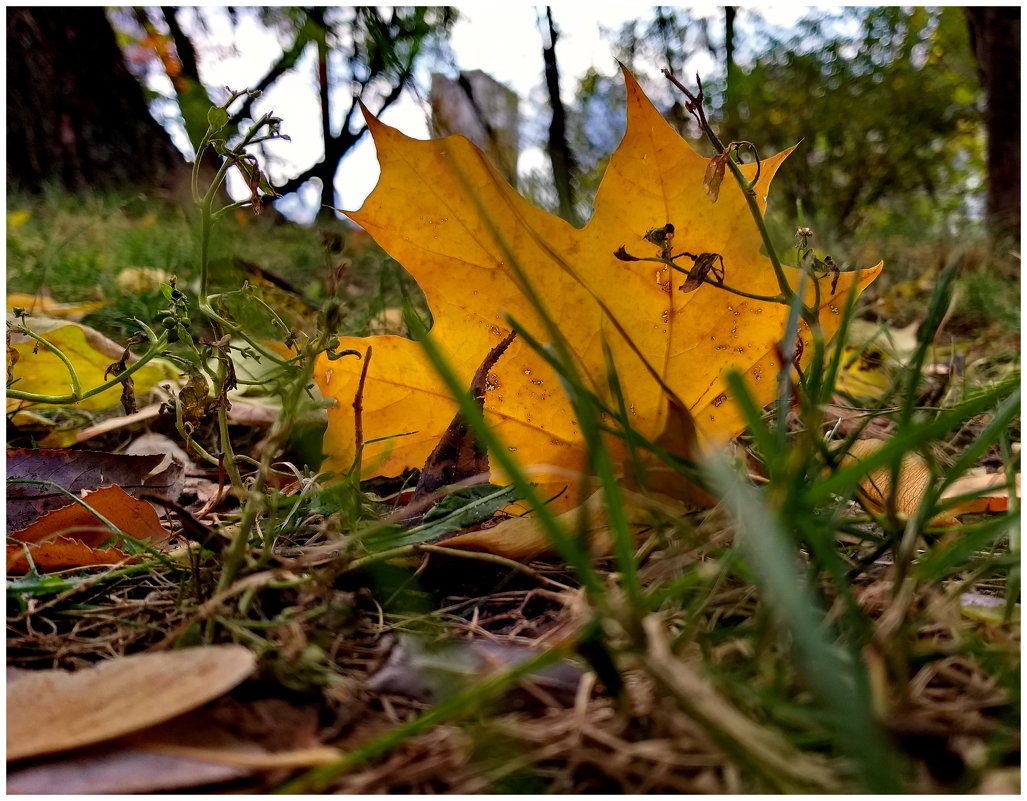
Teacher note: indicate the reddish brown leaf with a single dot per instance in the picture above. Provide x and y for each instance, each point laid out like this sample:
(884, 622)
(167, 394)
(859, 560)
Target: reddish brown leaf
(60, 554)
(76, 471)
(133, 517)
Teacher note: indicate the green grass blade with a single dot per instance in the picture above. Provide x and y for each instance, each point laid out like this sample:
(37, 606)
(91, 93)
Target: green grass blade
(837, 680)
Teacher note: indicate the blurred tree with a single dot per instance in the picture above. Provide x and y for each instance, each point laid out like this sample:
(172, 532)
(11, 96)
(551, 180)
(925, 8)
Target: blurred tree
(885, 115)
(995, 40)
(180, 63)
(362, 55)
(379, 51)
(560, 154)
(881, 102)
(75, 114)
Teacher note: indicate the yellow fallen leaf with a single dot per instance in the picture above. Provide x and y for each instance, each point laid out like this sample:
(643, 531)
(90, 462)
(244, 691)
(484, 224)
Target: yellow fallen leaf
(446, 214)
(45, 305)
(137, 280)
(39, 371)
(17, 218)
(524, 537)
(915, 479)
(864, 372)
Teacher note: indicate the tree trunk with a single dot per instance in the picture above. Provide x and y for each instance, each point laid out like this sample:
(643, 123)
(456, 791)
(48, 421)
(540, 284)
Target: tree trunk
(729, 133)
(559, 151)
(995, 41)
(75, 115)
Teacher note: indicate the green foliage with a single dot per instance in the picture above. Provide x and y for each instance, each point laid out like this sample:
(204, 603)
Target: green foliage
(881, 101)
(886, 117)
(76, 249)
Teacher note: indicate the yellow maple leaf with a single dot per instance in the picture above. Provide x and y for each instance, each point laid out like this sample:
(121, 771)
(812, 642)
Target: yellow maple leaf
(445, 213)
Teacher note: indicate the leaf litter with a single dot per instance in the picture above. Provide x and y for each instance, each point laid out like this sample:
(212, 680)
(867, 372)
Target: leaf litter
(326, 639)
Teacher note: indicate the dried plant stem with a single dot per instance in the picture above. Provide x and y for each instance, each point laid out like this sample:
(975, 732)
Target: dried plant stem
(358, 411)
(765, 752)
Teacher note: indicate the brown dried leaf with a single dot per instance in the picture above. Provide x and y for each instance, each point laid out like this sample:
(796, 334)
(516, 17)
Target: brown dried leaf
(715, 175)
(458, 454)
(57, 710)
(914, 478)
(133, 517)
(60, 554)
(76, 471)
(220, 742)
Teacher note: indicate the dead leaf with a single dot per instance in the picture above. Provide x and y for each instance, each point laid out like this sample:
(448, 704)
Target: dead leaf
(77, 471)
(915, 480)
(430, 674)
(133, 517)
(225, 734)
(458, 455)
(864, 372)
(524, 538)
(38, 370)
(117, 768)
(57, 710)
(219, 742)
(137, 280)
(150, 412)
(61, 553)
(447, 215)
(994, 500)
(715, 174)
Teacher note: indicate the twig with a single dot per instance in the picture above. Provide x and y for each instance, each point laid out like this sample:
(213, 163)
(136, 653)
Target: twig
(358, 410)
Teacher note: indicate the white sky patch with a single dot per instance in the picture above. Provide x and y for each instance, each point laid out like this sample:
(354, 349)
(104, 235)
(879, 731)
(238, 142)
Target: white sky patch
(503, 40)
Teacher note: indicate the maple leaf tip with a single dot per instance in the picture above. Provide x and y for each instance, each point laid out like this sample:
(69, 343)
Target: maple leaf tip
(629, 77)
(373, 123)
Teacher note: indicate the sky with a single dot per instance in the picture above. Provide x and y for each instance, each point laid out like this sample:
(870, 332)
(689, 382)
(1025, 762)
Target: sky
(501, 39)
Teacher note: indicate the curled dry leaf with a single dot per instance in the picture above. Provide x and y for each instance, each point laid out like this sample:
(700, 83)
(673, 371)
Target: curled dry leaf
(524, 537)
(76, 471)
(447, 215)
(994, 489)
(458, 455)
(715, 174)
(915, 479)
(56, 710)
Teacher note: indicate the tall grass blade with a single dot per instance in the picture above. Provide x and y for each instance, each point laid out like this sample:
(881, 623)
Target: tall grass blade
(838, 681)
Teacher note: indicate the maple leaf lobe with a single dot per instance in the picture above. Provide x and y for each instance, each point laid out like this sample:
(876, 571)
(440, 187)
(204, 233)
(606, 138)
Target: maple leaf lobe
(447, 215)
